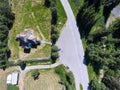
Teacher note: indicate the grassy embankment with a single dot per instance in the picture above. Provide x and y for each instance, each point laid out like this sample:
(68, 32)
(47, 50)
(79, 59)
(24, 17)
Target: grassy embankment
(66, 77)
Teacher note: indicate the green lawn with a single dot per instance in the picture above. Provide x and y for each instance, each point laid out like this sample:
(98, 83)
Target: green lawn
(11, 87)
(30, 14)
(66, 77)
(61, 15)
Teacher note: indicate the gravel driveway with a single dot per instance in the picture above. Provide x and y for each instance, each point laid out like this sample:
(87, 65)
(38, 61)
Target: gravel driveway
(71, 49)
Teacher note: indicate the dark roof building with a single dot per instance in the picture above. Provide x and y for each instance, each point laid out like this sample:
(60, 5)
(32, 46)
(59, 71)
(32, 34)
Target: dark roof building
(27, 39)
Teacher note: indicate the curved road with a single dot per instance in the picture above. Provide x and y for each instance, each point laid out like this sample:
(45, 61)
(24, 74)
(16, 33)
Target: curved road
(71, 50)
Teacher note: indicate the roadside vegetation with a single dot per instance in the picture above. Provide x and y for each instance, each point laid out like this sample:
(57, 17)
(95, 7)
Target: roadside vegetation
(75, 5)
(81, 87)
(57, 22)
(66, 77)
(102, 49)
(11, 87)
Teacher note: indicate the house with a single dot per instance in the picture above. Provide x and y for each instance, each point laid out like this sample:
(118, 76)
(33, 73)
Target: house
(12, 78)
(27, 39)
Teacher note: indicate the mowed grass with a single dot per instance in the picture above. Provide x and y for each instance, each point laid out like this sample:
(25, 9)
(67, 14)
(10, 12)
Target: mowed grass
(34, 15)
(42, 51)
(48, 80)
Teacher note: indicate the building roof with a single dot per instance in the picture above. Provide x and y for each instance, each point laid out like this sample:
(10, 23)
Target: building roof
(27, 39)
(12, 78)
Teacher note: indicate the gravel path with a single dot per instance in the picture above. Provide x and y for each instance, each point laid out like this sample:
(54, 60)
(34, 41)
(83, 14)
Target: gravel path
(71, 49)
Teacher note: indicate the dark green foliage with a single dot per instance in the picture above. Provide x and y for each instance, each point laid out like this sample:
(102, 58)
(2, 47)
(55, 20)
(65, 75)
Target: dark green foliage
(35, 74)
(6, 22)
(97, 86)
(108, 6)
(67, 78)
(86, 19)
(54, 53)
(54, 12)
(54, 38)
(111, 82)
(116, 27)
(106, 57)
(95, 3)
(22, 64)
(54, 48)
(77, 3)
(47, 3)
(103, 51)
(54, 21)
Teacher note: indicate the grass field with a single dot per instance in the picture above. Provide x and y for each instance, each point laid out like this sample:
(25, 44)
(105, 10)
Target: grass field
(34, 15)
(76, 5)
(48, 80)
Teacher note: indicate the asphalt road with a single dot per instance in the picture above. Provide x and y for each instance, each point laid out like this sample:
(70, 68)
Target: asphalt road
(71, 50)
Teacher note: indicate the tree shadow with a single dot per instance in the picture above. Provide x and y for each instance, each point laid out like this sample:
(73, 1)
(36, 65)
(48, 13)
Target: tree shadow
(84, 61)
(47, 3)
(22, 65)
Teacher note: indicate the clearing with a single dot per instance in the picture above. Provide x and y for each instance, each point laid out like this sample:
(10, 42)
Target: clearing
(48, 80)
(31, 14)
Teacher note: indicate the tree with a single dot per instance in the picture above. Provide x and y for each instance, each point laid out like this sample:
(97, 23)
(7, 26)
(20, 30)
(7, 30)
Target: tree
(35, 74)
(86, 19)
(47, 3)
(111, 82)
(94, 85)
(54, 48)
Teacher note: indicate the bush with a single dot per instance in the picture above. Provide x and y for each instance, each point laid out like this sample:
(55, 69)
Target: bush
(54, 53)
(66, 77)
(54, 15)
(35, 74)
(54, 38)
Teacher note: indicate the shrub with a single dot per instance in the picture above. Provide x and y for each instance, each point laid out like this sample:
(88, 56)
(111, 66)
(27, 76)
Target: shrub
(35, 74)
